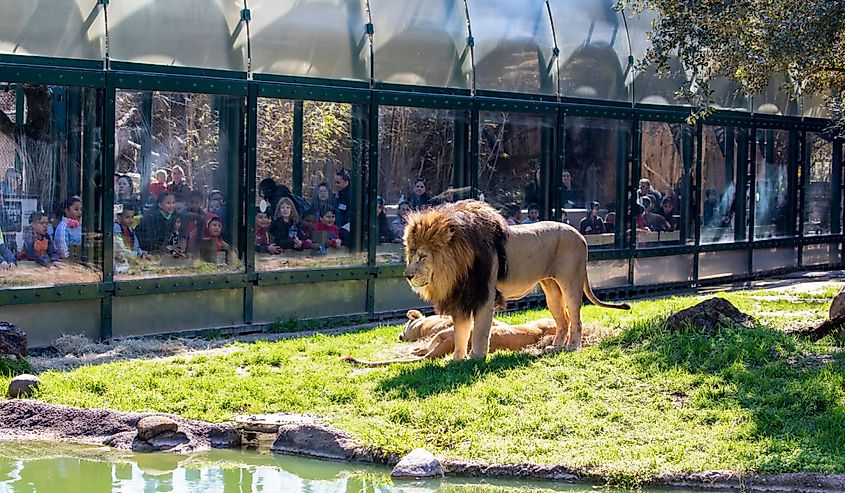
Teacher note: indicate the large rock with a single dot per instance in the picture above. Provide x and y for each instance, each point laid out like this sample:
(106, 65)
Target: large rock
(152, 426)
(837, 306)
(23, 386)
(12, 340)
(420, 463)
(315, 440)
(708, 316)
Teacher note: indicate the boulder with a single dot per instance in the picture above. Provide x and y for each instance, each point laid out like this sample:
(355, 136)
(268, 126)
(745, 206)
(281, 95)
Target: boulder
(150, 427)
(420, 463)
(709, 315)
(315, 440)
(23, 386)
(837, 306)
(12, 340)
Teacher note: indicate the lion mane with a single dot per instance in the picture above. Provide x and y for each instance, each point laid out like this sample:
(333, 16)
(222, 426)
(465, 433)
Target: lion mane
(463, 239)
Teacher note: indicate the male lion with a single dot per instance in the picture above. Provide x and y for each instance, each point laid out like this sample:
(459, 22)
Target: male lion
(502, 336)
(463, 258)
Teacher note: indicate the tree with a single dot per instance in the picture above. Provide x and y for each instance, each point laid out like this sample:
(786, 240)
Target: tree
(750, 42)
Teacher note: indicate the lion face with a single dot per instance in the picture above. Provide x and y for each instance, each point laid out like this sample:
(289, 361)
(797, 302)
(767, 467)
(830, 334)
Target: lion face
(420, 326)
(419, 270)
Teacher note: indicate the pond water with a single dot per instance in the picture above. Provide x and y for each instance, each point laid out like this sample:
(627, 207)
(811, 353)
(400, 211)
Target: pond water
(34, 467)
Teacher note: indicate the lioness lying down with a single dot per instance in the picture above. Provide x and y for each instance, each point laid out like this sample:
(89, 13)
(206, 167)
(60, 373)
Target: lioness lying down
(502, 336)
(420, 327)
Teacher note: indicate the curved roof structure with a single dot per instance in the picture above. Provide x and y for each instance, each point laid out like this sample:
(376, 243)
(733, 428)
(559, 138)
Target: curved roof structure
(566, 48)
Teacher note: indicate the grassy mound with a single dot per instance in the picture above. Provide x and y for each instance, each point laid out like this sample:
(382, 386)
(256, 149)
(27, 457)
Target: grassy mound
(642, 401)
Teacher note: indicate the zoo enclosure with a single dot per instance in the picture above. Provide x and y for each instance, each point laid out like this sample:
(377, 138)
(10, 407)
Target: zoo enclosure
(473, 96)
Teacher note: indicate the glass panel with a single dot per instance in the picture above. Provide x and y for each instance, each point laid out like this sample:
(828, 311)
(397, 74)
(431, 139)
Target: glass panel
(308, 213)
(187, 33)
(814, 106)
(415, 169)
(662, 208)
(776, 100)
(724, 153)
(595, 149)
(177, 206)
(774, 258)
(394, 294)
(818, 194)
(820, 254)
(660, 270)
(774, 210)
(310, 300)
(50, 213)
(648, 87)
(511, 148)
(722, 264)
(725, 95)
(593, 49)
(319, 38)
(133, 316)
(513, 46)
(55, 28)
(607, 273)
(421, 43)
(80, 317)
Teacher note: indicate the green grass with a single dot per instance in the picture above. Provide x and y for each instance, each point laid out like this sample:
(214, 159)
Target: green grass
(642, 402)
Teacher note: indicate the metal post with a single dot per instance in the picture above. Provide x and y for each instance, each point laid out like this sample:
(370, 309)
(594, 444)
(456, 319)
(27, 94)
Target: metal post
(696, 196)
(459, 150)
(107, 160)
(548, 154)
(371, 133)
(688, 163)
(473, 151)
(793, 186)
(249, 198)
(357, 174)
(146, 144)
(298, 120)
(740, 197)
(752, 196)
(836, 188)
(624, 158)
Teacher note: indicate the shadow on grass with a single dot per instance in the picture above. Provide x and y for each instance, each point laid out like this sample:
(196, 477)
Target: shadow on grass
(433, 378)
(794, 398)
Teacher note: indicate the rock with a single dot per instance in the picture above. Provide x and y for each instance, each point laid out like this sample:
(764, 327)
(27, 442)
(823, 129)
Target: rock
(420, 463)
(12, 340)
(708, 316)
(152, 426)
(837, 306)
(166, 440)
(23, 386)
(315, 440)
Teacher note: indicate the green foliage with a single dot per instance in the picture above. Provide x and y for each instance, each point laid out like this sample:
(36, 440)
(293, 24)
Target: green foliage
(12, 367)
(644, 401)
(754, 43)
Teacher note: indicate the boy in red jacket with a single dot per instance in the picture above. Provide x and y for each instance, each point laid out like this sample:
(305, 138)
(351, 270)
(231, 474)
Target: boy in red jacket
(332, 233)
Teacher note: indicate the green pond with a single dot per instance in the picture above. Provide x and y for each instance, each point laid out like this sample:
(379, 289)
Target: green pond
(63, 468)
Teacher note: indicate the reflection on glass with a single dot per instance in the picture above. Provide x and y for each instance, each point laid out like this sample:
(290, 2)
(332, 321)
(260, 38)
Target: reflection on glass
(416, 169)
(511, 150)
(818, 193)
(723, 160)
(595, 150)
(310, 159)
(662, 202)
(774, 213)
(176, 204)
(49, 205)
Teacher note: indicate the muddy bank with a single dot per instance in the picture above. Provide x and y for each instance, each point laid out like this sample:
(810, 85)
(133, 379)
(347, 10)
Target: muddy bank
(34, 420)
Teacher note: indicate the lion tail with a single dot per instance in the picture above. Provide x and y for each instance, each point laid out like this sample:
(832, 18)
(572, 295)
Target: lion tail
(594, 300)
(361, 362)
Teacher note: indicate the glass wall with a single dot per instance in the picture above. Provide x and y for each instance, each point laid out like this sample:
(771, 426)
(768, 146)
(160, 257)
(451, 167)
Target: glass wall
(595, 150)
(723, 172)
(818, 193)
(310, 169)
(177, 202)
(50, 207)
(511, 148)
(663, 197)
(774, 210)
(416, 169)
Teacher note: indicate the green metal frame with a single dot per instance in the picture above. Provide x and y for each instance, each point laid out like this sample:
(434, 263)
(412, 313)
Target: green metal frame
(367, 99)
